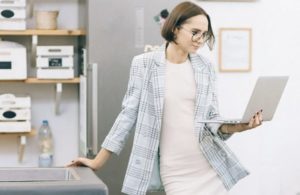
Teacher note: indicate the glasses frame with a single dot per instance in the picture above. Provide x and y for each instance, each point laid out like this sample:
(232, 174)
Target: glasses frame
(203, 36)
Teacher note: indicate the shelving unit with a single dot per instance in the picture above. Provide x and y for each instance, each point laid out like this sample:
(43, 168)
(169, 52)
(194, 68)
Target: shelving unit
(35, 34)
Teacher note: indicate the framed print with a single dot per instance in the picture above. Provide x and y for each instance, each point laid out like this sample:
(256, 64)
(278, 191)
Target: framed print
(235, 49)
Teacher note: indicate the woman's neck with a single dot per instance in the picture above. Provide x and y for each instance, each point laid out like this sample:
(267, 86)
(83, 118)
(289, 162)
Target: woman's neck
(175, 54)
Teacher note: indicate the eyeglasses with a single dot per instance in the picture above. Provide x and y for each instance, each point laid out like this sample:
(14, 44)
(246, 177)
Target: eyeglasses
(197, 36)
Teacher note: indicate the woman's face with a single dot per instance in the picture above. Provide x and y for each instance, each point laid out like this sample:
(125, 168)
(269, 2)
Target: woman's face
(191, 35)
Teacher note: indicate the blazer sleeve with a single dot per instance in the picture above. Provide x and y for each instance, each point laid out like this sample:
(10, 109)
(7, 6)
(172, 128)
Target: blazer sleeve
(124, 123)
(213, 111)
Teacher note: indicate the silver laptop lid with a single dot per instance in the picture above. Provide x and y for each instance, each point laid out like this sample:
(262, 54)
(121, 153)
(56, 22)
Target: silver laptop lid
(266, 96)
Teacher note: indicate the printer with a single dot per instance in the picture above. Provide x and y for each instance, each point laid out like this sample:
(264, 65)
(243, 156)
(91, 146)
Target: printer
(13, 61)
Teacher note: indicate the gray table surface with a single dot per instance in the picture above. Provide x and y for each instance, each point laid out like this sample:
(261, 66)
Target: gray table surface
(89, 184)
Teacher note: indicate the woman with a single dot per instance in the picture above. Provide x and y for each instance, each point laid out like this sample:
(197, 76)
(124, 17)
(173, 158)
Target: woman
(169, 92)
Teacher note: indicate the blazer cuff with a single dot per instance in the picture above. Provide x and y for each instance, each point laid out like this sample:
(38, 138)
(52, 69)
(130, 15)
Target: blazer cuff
(224, 136)
(215, 129)
(112, 146)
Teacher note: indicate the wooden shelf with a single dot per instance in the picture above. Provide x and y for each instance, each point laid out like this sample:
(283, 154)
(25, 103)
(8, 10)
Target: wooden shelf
(49, 81)
(45, 81)
(59, 32)
(31, 133)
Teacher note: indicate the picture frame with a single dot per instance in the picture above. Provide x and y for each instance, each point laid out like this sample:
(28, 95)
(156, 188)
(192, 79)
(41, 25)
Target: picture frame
(235, 49)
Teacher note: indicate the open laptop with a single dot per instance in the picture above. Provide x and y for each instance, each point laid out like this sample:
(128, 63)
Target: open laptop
(265, 96)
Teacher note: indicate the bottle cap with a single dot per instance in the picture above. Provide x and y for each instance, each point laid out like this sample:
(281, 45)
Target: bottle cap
(45, 122)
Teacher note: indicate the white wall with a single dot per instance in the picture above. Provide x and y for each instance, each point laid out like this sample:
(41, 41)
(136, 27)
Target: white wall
(65, 126)
(271, 152)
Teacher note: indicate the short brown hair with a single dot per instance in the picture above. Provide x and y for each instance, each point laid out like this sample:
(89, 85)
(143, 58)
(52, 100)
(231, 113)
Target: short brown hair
(179, 15)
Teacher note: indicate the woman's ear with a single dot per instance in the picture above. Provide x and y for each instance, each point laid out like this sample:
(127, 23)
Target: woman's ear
(175, 32)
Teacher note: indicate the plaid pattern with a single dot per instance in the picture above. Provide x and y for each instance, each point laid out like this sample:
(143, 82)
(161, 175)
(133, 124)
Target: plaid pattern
(142, 107)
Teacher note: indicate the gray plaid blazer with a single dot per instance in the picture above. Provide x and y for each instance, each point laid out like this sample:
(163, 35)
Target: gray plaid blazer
(142, 107)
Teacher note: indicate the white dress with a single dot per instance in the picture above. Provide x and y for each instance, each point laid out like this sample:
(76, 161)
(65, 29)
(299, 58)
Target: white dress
(183, 168)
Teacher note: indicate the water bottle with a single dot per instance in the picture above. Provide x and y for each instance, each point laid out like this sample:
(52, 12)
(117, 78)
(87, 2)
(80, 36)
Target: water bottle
(45, 145)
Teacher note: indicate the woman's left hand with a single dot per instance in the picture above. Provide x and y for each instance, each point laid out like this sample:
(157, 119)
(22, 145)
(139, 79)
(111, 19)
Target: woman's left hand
(254, 122)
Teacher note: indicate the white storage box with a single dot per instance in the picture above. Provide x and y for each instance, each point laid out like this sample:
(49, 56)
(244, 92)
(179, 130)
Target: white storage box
(13, 61)
(12, 114)
(55, 62)
(55, 73)
(54, 56)
(12, 24)
(12, 14)
(11, 101)
(12, 3)
(15, 113)
(14, 127)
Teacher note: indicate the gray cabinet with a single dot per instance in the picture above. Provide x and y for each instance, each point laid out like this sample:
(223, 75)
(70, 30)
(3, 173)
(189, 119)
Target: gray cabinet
(116, 32)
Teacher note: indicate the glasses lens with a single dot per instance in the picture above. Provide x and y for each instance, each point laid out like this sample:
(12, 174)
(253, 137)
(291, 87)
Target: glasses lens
(197, 37)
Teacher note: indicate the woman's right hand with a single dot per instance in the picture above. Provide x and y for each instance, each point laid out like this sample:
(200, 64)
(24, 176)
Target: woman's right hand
(95, 164)
(91, 163)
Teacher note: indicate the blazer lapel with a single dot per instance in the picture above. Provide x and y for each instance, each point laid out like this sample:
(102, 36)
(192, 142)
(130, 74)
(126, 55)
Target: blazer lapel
(198, 67)
(158, 82)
